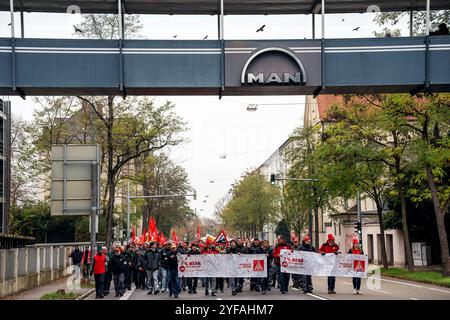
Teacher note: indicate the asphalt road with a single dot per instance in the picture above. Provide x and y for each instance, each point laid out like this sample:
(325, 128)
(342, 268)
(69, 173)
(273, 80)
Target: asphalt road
(382, 289)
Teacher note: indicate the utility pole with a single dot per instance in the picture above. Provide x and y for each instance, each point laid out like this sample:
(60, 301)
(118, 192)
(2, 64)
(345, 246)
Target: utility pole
(128, 210)
(95, 198)
(358, 204)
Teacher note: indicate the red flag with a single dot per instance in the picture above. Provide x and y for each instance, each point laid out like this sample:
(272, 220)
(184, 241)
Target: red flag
(174, 237)
(152, 228)
(133, 235)
(198, 233)
(150, 235)
(162, 239)
(143, 239)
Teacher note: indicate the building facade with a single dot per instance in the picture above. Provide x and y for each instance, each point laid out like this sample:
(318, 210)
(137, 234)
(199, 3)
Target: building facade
(275, 164)
(342, 225)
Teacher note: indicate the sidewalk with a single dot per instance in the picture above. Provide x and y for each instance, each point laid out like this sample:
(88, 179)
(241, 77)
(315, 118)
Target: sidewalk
(38, 292)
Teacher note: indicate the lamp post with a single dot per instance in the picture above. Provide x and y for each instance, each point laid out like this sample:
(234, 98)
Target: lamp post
(252, 107)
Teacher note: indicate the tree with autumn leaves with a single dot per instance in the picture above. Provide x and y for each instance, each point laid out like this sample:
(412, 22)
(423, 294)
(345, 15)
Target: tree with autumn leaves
(392, 147)
(253, 203)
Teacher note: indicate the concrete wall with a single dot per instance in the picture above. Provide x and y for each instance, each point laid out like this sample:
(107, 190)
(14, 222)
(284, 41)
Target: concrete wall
(27, 268)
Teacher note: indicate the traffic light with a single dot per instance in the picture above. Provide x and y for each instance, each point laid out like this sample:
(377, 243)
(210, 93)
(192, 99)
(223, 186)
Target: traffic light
(272, 179)
(358, 228)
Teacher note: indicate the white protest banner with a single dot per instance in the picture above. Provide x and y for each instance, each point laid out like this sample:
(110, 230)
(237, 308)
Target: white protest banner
(222, 265)
(315, 264)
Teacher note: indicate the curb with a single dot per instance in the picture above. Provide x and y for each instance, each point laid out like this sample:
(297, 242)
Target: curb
(86, 294)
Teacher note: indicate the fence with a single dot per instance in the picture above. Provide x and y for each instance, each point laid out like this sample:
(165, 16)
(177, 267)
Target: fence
(33, 266)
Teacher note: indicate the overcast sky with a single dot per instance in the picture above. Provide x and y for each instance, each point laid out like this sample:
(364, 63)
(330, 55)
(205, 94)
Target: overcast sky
(224, 126)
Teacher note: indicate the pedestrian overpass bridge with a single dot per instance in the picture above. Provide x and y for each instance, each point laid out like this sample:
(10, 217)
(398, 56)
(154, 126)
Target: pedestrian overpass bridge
(223, 67)
(209, 67)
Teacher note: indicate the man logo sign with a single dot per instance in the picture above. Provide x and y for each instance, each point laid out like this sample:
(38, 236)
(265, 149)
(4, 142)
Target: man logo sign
(273, 66)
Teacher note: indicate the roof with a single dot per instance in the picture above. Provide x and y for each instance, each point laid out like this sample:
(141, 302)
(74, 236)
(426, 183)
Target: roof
(324, 102)
(213, 6)
(276, 153)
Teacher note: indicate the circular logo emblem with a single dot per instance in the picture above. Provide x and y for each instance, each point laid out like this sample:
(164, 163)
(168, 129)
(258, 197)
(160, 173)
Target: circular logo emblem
(284, 264)
(182, 268)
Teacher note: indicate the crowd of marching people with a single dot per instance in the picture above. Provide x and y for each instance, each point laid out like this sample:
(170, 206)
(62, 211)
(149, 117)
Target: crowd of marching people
(153, 267)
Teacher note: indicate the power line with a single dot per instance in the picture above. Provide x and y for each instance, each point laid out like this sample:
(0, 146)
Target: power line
(264, 104)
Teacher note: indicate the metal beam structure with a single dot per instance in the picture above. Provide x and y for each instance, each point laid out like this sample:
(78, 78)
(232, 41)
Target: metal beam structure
(232, 7)
(103, 67)
(179, 67)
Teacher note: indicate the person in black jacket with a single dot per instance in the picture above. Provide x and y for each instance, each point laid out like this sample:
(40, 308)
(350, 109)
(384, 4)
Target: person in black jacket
(77, 257)
(219, 280)
(265, 283)
(164, 254)
(234, 284)
(255, 248)
(128, 269)
(172, 271)
(108, 274)
(140, 269)
(183, 248)
(306, 279)
(192, 282)
(242, 249)
(118, 265)
(152, 259)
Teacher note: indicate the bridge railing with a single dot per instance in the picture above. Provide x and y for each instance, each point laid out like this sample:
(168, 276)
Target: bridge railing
(196, 67)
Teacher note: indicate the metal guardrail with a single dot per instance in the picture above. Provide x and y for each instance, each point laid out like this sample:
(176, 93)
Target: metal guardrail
(64, 244)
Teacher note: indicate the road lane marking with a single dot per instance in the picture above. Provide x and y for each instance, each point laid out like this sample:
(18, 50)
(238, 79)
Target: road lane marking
(403, 283)
(127, 294)
(414, 299)
(295, 289)
(440, 290)
(415, 285)
(219, 299)
(316, 296)
(350, 284)
(379, 291)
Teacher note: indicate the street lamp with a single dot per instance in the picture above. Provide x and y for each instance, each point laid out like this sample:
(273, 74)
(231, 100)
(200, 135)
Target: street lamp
(252, 107)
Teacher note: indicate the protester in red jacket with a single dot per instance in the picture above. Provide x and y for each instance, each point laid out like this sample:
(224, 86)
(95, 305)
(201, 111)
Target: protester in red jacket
(356, 249)
(210, 249)
(283, 277)
(99, 270)
(330, 247)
